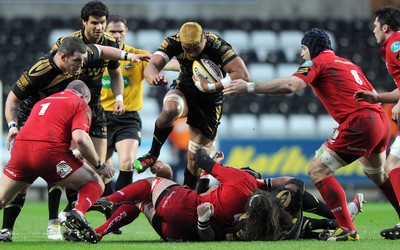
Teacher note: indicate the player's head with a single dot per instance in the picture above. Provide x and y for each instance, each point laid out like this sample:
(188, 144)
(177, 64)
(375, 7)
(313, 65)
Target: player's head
(94, 8)
(192, 38)
(118, 27)
(266, 218)
(80, 88)
(316, 41)
(94, 16)
(387, 21)
(72, 53)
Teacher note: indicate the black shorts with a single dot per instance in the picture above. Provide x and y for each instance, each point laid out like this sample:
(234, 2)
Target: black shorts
(120, 127)
(205, 110)
(98, 129)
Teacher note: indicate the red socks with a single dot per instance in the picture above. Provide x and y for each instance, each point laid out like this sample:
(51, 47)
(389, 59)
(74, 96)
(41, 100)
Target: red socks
(125, 214)
(335, 198)
(133, 193)
(88, 195)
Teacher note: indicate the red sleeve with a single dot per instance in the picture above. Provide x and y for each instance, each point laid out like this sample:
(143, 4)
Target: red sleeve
(83, 118)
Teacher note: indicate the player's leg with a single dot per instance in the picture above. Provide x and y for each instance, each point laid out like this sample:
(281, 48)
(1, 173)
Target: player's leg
(391, 186)
(53, 203)
(174, 107)
(91, 187)
(12, 198)
(321, 171)
(127, 150)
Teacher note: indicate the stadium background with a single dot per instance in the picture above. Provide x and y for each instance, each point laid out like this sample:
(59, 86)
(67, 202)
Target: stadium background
(275, 135)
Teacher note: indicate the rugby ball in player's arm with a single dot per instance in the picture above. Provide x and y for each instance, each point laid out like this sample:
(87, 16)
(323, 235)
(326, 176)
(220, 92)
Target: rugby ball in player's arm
(211, 76)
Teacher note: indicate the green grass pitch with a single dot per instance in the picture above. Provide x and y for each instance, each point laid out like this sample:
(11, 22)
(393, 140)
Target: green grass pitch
(30, 233)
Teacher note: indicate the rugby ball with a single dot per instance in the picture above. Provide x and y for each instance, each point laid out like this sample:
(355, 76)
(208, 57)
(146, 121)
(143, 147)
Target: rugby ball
(207, 69)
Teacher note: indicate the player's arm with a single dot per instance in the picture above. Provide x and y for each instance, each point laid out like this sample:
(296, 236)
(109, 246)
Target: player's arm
(117, 86)
(87, 150)
(11, 114)
(278, 86)
(374, 97)
(111, 53)
(204, 229)
(237, 69)
(11, 108)
(152, 71)
(172, 65)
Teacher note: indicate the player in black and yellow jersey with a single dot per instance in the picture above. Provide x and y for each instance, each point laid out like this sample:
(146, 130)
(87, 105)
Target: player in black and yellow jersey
(48, 75)
(123, 131)
(184, 99)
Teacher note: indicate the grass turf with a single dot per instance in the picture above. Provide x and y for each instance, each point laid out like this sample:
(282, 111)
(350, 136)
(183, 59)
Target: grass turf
(31, 226)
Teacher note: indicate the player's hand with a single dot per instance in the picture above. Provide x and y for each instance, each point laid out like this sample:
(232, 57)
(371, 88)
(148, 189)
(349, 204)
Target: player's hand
(218, 156)
(157, 167)
(205, 211)
(12, 133)
(159, 80)
(119, 108)
(140, 57)
(237, 87)
(366, 96)
(205, 86)
(396, 113)
(107, 172)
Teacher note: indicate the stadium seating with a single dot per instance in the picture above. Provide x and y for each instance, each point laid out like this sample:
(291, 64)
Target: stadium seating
(149, 39)
(270, 49)
(261, 71)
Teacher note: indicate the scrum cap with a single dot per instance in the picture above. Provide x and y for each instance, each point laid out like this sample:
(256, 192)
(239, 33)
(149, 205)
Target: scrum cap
(316, 41)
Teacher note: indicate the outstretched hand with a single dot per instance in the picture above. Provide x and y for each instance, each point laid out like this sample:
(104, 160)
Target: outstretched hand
(237, 87)
(140, 57)
(366, 96)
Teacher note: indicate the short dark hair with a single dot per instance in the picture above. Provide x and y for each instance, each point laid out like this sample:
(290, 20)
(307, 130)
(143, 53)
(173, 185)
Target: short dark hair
(116, 19)
(94, 8)
(71, 44)
(389, 15)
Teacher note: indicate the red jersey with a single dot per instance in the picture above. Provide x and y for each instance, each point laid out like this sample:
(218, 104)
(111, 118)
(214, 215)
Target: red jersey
(390, 52)
(335, 80)
(53, 119)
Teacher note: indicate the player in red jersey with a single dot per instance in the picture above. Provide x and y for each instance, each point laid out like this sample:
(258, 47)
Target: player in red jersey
(175, 207)
(39, 152)
(387, 34)
(363, 131)
(177, 218)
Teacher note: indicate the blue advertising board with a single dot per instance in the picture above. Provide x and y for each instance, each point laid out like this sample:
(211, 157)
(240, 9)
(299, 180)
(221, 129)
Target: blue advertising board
(283, 157)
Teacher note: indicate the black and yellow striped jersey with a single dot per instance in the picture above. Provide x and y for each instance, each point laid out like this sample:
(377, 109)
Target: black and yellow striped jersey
(92, 72)
(43, 78)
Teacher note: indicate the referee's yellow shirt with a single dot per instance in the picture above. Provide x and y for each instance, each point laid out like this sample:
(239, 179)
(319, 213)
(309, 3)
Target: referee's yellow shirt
(132, 73)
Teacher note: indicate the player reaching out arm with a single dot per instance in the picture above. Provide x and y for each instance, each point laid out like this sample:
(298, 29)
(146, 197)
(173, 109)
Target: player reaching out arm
(335, 80)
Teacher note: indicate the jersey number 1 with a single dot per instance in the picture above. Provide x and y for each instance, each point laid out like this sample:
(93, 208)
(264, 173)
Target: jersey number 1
(44, 108)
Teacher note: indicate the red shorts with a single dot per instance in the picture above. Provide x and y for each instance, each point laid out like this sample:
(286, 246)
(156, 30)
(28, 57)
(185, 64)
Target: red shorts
(30, 160)
(178, 209)
(363, 133)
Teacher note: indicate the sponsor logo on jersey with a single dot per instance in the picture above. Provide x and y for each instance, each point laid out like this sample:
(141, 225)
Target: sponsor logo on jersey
(303, 70)
(22, 82)
(63, 169)
(307, 63)
(128, 67)
(395, 47)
